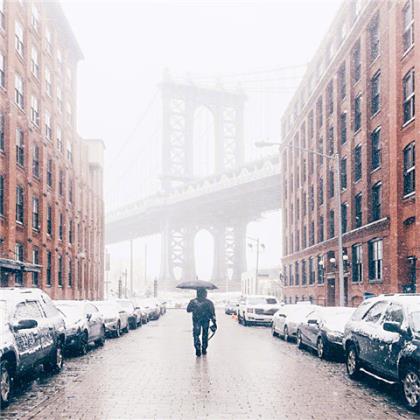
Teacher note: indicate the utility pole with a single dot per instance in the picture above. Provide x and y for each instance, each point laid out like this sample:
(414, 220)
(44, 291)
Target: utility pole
(119, 287)
(145, 266)
(131, 267)
(125, 274)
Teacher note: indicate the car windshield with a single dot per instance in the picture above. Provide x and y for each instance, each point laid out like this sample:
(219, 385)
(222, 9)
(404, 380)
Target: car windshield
(106, 308)
(336, 319)
(70, 310)
(262, 301)
(126, 305)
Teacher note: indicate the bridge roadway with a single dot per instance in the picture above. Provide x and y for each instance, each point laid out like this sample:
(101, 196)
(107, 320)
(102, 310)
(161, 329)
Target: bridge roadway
(243, 193)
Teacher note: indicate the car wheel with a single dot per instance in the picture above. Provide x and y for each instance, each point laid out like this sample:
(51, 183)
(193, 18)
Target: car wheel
(299, 340)
(5, 383)
(410, 382)
(101, 341)
(55, 364)
(320, 348)
(126, 329)
(286, 333)
(118, 330)
(273, 331)
(244, 321)
(84, 343)
(352, 362)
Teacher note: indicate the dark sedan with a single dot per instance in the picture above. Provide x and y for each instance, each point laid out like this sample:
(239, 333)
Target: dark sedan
(323, 330)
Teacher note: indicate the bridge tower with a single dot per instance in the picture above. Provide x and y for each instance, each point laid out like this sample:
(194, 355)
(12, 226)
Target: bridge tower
(180, 101)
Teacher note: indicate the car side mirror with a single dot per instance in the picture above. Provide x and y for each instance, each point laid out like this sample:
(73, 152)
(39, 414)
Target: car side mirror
(391, 326)
(89, 317)
(312, 322)
(25, 324)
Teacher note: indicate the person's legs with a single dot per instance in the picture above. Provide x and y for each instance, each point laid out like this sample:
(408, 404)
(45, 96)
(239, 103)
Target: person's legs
(196, 335)
(205, 326)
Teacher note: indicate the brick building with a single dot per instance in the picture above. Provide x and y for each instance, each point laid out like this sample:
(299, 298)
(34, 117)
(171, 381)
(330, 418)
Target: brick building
(51, 209)
(356, 100)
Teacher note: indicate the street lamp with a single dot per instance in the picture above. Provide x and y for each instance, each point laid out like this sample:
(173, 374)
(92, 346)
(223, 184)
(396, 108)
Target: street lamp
(336, 159)
(258, 245)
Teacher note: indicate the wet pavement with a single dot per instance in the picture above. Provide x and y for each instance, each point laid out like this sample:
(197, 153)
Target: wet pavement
(152, 372)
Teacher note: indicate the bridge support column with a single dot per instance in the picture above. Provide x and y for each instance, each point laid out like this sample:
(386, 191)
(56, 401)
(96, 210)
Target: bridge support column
(239, 260)
(188, 270)
(219, 274)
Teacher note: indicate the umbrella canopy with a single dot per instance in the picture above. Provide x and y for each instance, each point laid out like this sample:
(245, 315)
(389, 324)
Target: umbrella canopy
(196, 284)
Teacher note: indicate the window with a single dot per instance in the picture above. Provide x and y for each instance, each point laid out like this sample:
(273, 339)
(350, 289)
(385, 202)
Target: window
(28, 310)
(320, 267)
(344, 212)
(330, 98)
(321, 191)
(49, 267)
(357, 163)
(59, 99)
(2, 131)
(49, 173)
(374, 37)
(311, 198)
(20, 147)
(358, 217)
(376, 201)
(408, 94)
(304, 237)
(35, 260)
(19, 38)
(70, 152)
(297, 274)
(394, 313)
(70, 231)
(48, 130)
(2, 195)
(357, 65)
(19, 98)
(35, 161)
(409, 169)
(312, 234)
(59, 140)
(34, 111)
(311, 271)
(35, 62)
(60, 227)
(408, 22)
(375, 139)
(319, 112)
(331, 184)
(343, 173)
(290, 275)
(35, 18)
(330, 140)
(331, 227)
(60, 270)
(357, 113)
(2, 71)
(70, 274)
(20, 204)
(49, 220)
(357, 263)
(304, 273)
(311, 124)
(343, 127)
(342, 81)
(2, 18)
(35, 213)
(375, 259)
(48, 86)
(61, 182)
(374, 314)
(68, 112)
(48, 40)
(321, 229)
(375, 93)
(304, 205)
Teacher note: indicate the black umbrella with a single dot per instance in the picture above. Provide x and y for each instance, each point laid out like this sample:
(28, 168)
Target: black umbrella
(197, 284)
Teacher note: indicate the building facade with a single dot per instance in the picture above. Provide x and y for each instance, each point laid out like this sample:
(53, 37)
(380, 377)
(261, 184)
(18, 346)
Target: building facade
(356, 102)
(51, 208)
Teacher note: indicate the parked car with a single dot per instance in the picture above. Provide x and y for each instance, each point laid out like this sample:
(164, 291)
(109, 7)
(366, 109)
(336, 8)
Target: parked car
(84, 325)
(134, 315)
(287, 319)
(143, 312)
(115, 317)
(152, 308)
(323, 330)
(383, 338)
(32, 334)
(257, 309)
(231, 307)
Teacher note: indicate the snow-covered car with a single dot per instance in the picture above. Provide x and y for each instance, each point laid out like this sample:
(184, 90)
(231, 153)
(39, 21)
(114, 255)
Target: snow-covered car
(152, 308)
(383, 338)
(84, 324)
(134, 315)
(287, 319)
(231, 307)
(257, 309)
(323, 330)
(32, 334)
(115, 317)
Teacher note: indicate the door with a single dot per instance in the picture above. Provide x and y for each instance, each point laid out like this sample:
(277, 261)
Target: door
(331, 292)
(312, 327)
(28, 341)
(93, 320)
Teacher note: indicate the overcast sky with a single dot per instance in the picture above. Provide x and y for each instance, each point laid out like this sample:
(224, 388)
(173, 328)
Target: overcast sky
(127, 45)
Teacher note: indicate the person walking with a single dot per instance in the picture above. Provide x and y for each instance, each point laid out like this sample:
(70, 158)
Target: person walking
(202, 313)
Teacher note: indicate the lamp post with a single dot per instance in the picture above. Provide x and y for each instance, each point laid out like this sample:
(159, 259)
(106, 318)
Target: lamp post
(336, 159)
(258, 245)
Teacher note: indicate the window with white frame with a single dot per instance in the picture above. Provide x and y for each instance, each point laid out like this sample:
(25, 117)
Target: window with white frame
(48, 40)
(375, 259)
(408, 25)
(408, 96)
(68, 112)
(20, 147)
(19, 91)
(69, 151)
(48, 86)
(357, 263)
(59, 59)
(19, 38)
(2, 131)
(410, 168)
(35, 213)
(2, 17)
(2, 70)
(35, 110)
(59, 99)
(35, 62)
(36, 161)
(59, 139)
(20, 204)
(48, 130)
(35, 18)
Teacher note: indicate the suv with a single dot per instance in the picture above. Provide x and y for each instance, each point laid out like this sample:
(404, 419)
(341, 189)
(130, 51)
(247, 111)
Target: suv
(32, 333)
(257, 309)
(383, 338)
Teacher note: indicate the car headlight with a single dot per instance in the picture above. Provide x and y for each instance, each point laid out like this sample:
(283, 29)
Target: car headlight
(335, 336)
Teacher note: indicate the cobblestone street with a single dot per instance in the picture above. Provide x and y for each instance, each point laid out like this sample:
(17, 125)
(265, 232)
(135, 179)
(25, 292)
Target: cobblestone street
(153, 373)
